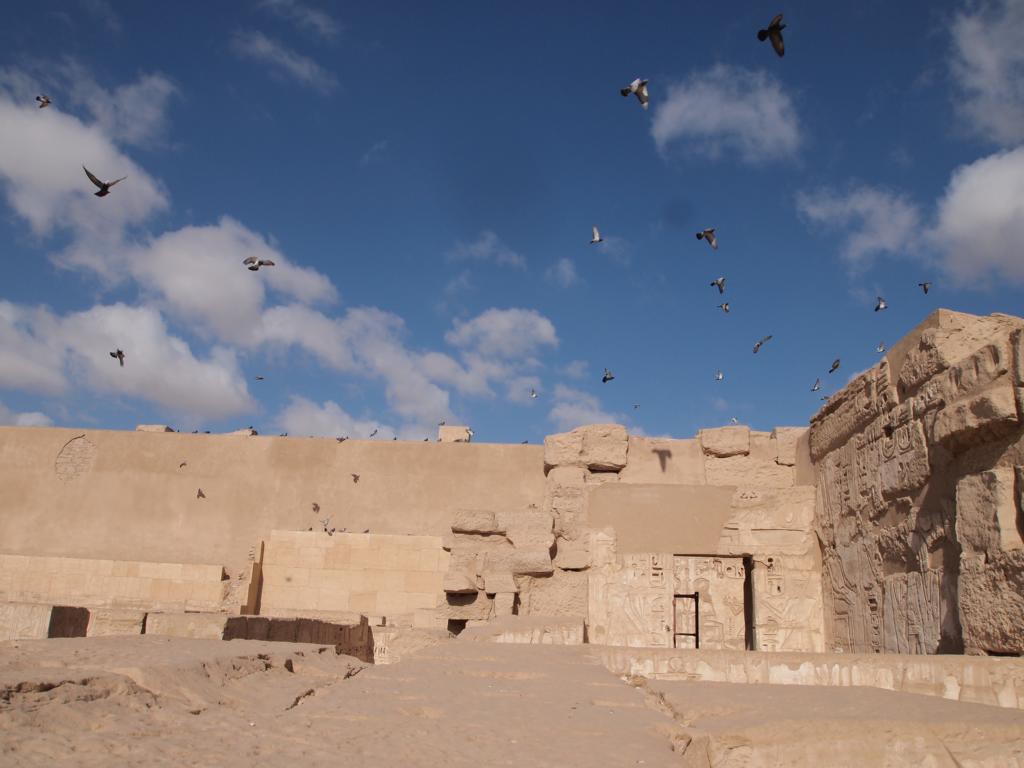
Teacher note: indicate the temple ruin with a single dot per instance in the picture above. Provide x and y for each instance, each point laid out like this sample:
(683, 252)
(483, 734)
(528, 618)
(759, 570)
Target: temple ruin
(891, 526)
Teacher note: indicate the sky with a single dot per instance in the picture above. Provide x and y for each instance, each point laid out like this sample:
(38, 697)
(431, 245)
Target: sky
(425, 179)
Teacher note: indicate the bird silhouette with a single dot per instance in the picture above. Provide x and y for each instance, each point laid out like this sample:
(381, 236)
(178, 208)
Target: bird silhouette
(259, 378)
(638, 87)
(200, 494)
(254, 264)
(608, 376)
(881, 305)
(925, 287)
(835, 366)
(316, 507)
(709, 235)
(342, 439)
(719, 283)
(817, 385)
(373, 433)
(719, 375)
(355, 477)
(761, 342)
(103, 185)
(533, 394)
(597, 237)
(880, 348)
(724, 307)
(119, 356)
(774, 33)
(44, 101)
(734, 420)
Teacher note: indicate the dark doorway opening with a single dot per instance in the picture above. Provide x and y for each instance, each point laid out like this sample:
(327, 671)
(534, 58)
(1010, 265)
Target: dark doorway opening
(750, 640)
(455, 626)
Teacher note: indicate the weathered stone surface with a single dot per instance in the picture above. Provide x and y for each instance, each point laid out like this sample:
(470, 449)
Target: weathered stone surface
(153, 428)
(987, 513)
(660, 460)
(747, 471)
(476, 521)
(532, 560)
(460, 582)
(201, 625)
(530, 630)
(499, 582)
(531, 528)
(600, 447)
(725, 441)
(24, 621)
(572, 554)
(786, 440)
(115, 621)
(903, 464)
(453, 434)
(247, 432)
(994, 410)
(567, 477)
(504, 603)
(991, 595)
(478, 607)
(563, 593)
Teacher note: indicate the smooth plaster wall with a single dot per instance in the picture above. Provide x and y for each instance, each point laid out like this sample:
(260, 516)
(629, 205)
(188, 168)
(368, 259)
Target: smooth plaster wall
(123, 495)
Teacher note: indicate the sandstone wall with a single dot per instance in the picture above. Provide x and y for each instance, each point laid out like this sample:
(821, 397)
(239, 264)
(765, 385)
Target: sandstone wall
(918, 511)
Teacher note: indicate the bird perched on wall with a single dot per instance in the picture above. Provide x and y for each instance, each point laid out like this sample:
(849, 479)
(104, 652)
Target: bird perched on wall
(880, 348)
(880, 305)
(342, 439)
(254, 264)
(724, 307)
(533, 394)
(734, 420)
(709, 235)
(103, 185)
(524, 442)
(835, 366)
(925, 287)
(373, 433)
(355, 477)
(719, 375)
(200, 494)
(817, 385)
(774, 33)
(638, 87)
(597, 237)
(119, 356)
(608, 376)
(470, 432)
(44, 101)
(720, 283)
(761, 342)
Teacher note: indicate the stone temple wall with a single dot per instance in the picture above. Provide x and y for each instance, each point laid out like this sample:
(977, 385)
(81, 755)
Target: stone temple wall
(919, 481)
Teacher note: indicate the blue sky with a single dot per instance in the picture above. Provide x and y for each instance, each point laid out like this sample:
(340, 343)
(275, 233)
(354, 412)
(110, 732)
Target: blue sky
(426, 180)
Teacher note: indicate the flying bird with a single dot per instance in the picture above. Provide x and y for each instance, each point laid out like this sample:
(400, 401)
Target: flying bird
(636, 406)
(761, 342)
(119, 356)
(200, 494)
(103, 185)
(734, 420)
(596, 238)
(608, 376)
(835, 366)
(719, 375)
(817, 385)
(709, 235)
(373, 433)
(724, 307)
(881, 305)
(720, 282)
(880, 348)
(638, 87)
(254, 264)
(925, 287)
(774, 33)
(259, 378)
(44, 101)
(355, 478)
(533, 394)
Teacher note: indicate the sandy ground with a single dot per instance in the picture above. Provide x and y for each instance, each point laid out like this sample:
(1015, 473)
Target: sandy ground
(168, 701)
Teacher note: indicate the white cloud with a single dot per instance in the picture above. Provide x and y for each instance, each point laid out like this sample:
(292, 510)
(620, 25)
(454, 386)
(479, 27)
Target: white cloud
(562, 272)
(376, 150)
(31, 354)
(303, 417)
(988, 67)
(725, 110)
(980, 219)
(576, 369)
(506, 333)
(573, 408)
(251, 44)
(487, 247)
(28, 419)
(873, 221)
(304, 17)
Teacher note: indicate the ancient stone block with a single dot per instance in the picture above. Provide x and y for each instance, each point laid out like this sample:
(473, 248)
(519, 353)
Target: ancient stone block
(504, 603)
(24, 621)
(531, 528)
(532, 560)
(475, 521)
(453, 434)
(153, 428)
(987, 512)
(459, 582)
(115, 621)
(1017, 352)
(499, 582)
(572, 554)
(991, 596)
(562, 594)
(247, 432)
(746, 471)
(992, 411)
(659, 460)
(566, 477)
(786, 440)
(477, 607)
(903, 460)
(725, 441)
(202, 625)
(601, 447)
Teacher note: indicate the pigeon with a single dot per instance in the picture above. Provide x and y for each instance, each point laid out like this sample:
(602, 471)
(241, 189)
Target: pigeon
(119, 356)
(720, 282)
(719, 375)
(341, 439)
(254, 264)
(774, 33)
(596, 238)
(638, 87)
(355, 478)
(395, 437)
(373, 433)
(533, 394)
(44, 101)
(880, 348)
(200, 494)
(524, 442)
(316, 507)
(608, 376)
(881, 305)
(470, 432)
(259, 378)
(835, 366)
(709, 235)
(103, 185)
(925, 287)
(734, 420)
(825, 398)
(817, 385)
(761, 342)
(724, 307)
(283, 434)
(195, 431)
(441, 423)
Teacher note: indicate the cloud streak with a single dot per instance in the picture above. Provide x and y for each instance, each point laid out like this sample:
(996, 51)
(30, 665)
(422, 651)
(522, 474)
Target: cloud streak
(252, 44)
